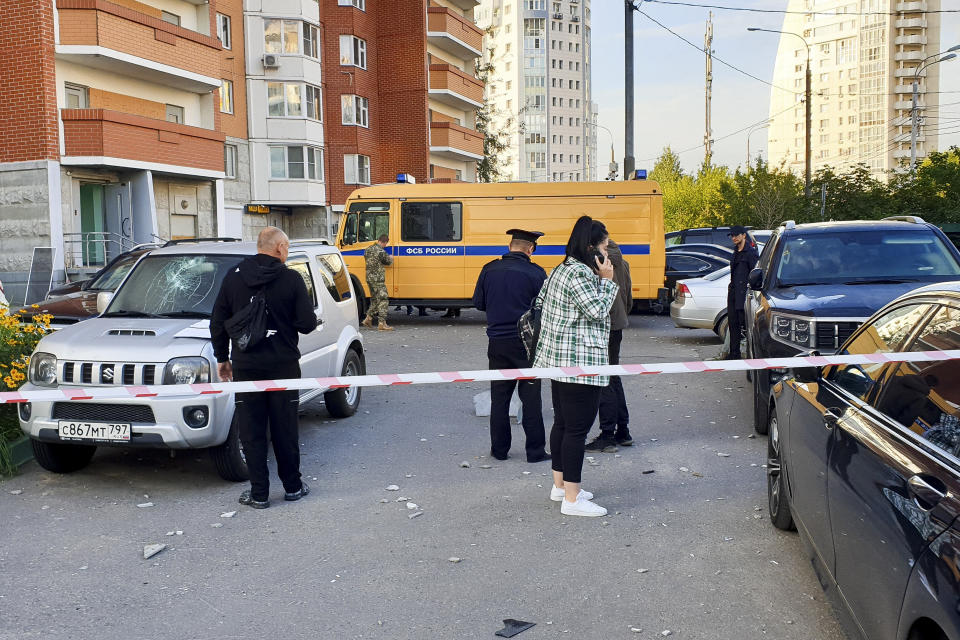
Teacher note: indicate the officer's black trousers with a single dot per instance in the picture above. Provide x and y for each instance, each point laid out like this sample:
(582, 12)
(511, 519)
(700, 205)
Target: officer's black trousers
(735, 324)
(509, 353)
(613, 402)
(276, 410)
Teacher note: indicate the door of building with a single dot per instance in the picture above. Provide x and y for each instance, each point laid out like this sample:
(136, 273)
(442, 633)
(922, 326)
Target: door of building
(92, 224)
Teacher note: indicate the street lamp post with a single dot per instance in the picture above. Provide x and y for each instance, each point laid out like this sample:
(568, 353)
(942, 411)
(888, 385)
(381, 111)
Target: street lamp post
(612, 168)
(750, 133)
(914, 115)
(807, 99)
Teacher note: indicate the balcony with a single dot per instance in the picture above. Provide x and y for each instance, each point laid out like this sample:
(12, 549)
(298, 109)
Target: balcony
(465, 5)
(911, 23)
(453, 142)
(454, 88)
(910, 7)
(907, 105)
(908, 72)
(121, 40)
(910, 40)
(906, 56)
(453, 33)
(112, 138)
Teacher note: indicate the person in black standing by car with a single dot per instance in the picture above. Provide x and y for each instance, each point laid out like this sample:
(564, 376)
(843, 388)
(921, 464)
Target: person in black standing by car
(744, 260)
(505, 290)
(275, 357)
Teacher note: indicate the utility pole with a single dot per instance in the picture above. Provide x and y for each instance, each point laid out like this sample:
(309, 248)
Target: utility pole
(808, 99)
(628, 159)
(708, 134)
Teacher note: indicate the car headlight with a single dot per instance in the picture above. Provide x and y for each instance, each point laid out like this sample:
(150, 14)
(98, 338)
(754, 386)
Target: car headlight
(43, 369)
(186, 371)
(796, 331)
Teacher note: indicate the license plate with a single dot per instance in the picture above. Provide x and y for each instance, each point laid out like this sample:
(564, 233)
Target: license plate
(76, 430)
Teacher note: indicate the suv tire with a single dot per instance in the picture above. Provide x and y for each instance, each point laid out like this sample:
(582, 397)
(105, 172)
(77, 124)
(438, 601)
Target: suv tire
(778, 502)
(228, 457)
(761, 406)
(343, 403)
(361, 299)
(62, 458)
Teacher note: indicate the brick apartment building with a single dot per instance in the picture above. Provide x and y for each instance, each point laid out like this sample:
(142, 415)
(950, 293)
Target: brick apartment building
(401, 92)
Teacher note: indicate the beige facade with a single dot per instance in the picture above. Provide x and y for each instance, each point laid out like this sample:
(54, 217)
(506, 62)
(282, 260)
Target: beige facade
(864, 54)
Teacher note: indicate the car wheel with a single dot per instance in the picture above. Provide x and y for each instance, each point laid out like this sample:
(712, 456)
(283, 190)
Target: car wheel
(760, 402)
(228, 457)
(721, 328)
(361, 298)
(343, 403)
(62, 458)
(778, 502)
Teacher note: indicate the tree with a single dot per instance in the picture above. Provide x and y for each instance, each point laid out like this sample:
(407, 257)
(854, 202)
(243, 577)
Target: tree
(761, 197)
(934, 193)
(667, 168)
(854, 195)
(494, 141)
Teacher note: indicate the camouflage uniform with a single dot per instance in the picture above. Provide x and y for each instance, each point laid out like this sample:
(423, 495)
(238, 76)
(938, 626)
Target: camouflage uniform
(376, 259)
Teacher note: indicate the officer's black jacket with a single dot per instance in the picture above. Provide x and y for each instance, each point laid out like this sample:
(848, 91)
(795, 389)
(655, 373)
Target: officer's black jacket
(505, 290)
(290, 310)
(741, 265)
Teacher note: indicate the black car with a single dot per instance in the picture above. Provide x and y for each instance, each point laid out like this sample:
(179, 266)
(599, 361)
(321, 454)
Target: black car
(715, 250)
(864, 460)
(816, 283)
(690, 264)
(706, 235)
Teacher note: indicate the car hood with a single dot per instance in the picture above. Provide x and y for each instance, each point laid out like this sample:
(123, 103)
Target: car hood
(837, 300)
(128, 340)
(78, 305)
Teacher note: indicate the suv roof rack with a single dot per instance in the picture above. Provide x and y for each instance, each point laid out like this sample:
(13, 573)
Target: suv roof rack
(789, 224)
(320, 240)
(171, 243)
(913, 219)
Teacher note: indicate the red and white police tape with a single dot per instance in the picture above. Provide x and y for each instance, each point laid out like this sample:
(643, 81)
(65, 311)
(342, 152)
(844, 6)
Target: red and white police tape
(440, 377)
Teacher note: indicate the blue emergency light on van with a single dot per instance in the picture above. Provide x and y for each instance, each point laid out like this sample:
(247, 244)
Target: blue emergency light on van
(640, 174)
(406, 178)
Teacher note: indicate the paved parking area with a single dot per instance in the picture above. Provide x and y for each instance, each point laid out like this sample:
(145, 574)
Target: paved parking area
(687, 548)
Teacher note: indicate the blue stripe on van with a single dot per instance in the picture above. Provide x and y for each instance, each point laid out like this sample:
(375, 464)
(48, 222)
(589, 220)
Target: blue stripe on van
(488, 250)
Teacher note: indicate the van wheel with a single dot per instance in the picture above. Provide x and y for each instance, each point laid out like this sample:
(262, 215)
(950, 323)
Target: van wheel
(228, 457)
(361, 299)
(62, 458)
(778, 502)
(343, 403)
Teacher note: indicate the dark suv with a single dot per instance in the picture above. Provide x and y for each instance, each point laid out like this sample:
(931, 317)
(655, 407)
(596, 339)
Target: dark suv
(710, 235)
(817, 283)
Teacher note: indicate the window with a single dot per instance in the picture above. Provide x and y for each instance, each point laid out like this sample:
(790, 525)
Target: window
(359, 4)
(284, 36)
(174, 114)
(354, 110)
(311, 41)
(431, 221)
(356, 169)
(223, 31)
(296, 163)
(230, 161)
(353, 51)
(886, 334)
(374, 221)
(77, 96)
(313, 102)
(171, 18)
(226, 96)
(334, 275)
(301, 265)
(288, 99)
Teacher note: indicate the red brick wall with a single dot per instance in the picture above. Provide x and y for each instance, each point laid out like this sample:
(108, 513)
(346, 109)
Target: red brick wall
(232, 68)
(28, 111)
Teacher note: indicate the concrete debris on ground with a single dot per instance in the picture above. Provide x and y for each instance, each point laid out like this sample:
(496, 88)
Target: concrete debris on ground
(465, 464)
(150, 550)
(217, 525)
(414, 515)
(145, 505)
(228, 514)
(454, 559)
(393, 487)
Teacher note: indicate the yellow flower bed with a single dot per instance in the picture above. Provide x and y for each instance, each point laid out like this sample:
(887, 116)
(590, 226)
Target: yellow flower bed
(18, 338)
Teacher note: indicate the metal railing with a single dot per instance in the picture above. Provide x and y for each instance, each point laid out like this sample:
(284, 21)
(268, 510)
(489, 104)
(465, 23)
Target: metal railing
(93, 248)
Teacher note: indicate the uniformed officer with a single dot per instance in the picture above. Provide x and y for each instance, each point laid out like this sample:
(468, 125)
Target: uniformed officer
(744, 260)
(377, 259)
(505, 290)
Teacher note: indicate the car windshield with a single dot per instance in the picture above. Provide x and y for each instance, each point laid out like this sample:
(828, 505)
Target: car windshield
(112, 276)
(864, 256)
(172, 286)
(716, 275)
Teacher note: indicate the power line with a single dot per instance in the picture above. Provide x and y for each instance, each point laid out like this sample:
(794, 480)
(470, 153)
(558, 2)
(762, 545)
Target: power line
(785, 11)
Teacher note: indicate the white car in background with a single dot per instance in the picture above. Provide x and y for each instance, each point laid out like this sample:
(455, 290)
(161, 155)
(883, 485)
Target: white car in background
(701, 303)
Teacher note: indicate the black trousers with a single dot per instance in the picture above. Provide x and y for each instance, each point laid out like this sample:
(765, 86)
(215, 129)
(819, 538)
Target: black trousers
(735, 326)
(574, 410)
(509, 353)
(276, 410)
(613, 402)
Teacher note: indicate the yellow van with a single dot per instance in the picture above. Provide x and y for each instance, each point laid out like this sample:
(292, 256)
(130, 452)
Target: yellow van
(441, 235)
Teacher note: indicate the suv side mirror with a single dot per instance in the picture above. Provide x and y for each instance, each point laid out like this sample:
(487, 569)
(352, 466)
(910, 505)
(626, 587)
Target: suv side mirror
(755, 279)
(103, 300)
(807, 374)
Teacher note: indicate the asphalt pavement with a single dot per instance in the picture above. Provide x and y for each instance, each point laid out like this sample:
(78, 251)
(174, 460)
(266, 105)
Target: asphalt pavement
(687, 549)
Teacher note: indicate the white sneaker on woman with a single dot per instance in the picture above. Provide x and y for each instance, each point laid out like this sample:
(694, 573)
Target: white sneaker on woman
(557, 494)
(582, 508)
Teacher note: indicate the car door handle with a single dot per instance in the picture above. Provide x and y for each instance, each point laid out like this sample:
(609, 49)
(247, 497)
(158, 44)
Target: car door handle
(831, 416)
(926, 495)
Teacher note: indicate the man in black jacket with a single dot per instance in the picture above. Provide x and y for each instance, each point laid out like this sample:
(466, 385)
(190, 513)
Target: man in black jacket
(276, 357)
(505, 290)
(744, 260)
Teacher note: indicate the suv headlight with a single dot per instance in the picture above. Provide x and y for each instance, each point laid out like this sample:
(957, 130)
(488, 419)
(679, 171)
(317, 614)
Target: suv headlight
(186, 371)
(43, 369)
(797, 331)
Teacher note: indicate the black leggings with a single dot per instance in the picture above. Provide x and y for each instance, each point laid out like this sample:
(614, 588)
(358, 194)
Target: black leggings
(574, 410)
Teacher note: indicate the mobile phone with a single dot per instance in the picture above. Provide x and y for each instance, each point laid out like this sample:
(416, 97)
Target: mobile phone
(599, 256)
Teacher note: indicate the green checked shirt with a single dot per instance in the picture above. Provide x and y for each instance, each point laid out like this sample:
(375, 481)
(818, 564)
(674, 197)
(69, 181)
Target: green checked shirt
(575, 320)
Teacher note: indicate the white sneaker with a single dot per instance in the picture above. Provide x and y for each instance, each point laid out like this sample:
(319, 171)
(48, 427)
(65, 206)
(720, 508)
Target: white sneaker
(557, 494)
(582, 508)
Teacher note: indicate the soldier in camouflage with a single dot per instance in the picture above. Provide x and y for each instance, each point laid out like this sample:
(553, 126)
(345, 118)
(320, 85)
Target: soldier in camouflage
(376, 259)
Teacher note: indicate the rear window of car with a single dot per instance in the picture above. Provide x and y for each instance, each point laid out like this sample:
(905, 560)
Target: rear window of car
(716, 275)
(864, 256)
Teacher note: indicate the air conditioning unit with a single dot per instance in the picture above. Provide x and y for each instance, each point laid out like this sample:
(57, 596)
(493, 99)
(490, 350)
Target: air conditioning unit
(271, 61)
(558, 16)
(574, 18)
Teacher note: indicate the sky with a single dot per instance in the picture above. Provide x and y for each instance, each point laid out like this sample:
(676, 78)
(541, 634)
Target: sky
(669, 79)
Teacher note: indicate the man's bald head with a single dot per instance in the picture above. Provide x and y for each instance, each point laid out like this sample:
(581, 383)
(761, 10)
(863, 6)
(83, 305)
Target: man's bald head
(273, 242)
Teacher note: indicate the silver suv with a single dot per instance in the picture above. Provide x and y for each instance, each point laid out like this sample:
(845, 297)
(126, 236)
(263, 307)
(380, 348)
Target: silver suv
(155, 330)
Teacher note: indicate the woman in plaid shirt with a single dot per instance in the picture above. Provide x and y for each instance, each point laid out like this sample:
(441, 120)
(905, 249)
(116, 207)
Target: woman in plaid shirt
(574, 331)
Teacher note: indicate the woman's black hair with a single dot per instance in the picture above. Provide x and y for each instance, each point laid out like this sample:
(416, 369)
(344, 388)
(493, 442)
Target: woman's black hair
(586, 235)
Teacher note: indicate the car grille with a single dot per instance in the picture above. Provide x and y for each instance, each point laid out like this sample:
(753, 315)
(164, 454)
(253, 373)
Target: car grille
(98, 412)
(831, 335)
(109, 373)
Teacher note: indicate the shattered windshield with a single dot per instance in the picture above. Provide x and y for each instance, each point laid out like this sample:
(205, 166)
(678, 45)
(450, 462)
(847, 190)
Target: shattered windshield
(172, 286)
